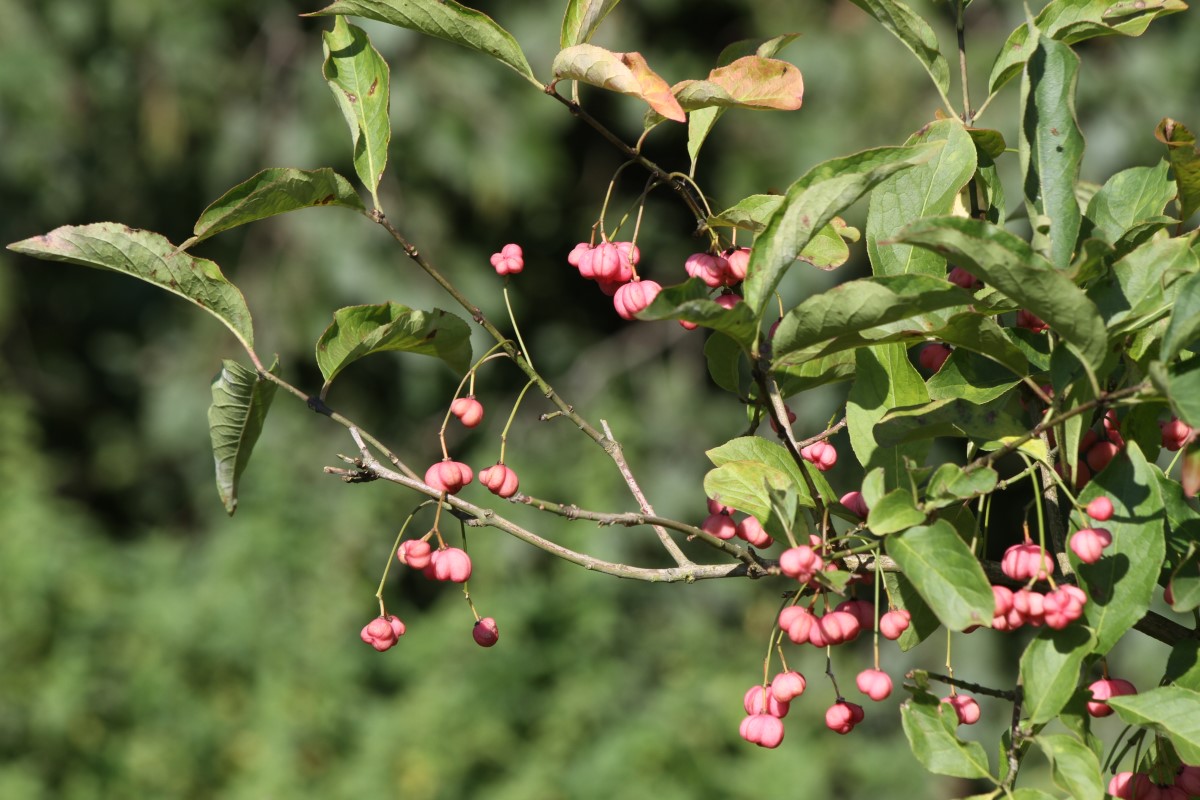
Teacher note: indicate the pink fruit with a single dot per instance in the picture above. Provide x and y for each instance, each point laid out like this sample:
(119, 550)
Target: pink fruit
(1102, 690)
(609, 264)
(798, 624)
(382, 632)
(820, 454)
(1121, 785)
(961, 277)
(787, 686)
(448, 476)
(762, 730)
(894, 623)
(1188, 779)
(1030, 322)
(874, 683)
(485, 632)
(1176, 434)
(760, 700)
(738, 260)
(713, 270)
(1100, 509)
(468, 410)
(841, 717)
(631, 252)
(855, 504)
(1023, 562)
(1063, 606)
(574, 257)
(451, 564)
(1100, 454)
(1029, 606)
(509, 261)
(791, 418)
(500, 480)
(688, 326)
(932, 356)
(861, 610)
(1003, 598)
(719, 525)
(635, 297)
(415, 553)
(1089, 543)
(752, 531)
(837, 627)
(728, 300)
(715, 507)
(800, 563)
(965, 708)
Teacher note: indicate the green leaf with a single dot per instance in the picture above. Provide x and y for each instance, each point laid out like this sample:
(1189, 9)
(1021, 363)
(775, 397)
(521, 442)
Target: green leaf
(952, 416)
(1184, 327)
(240, 401)
(1071, 21)
(1121, 584)
(1074, 767)
(922, 621)
(1139, 288)
(1170, 710)
(1050, 670)
(945, 573)
(894, 512)
(745, 485)
(1183, 665)
(689, 301)
(1183, 390)
(857, 306)
(815, 372)
(908, 26)
(582, 19)
(950, 485)
(749, 82)
(359, 331)
(930, 726)
(1029, 793)
(885, 380)
(275, 191)
(970, 377)
(929, 189)
(444, 19)
(150, 257)
(756, 448)
(750, 213)
(724, 356)
(828, 249)
(359, 79)
(1129, 198)
(1183, 523)
(624, 73)
(1185, 161)
(974, 332)
(811, 202)
(1185, 583)
(988, 142)
(1051, 148)
(1008, 264)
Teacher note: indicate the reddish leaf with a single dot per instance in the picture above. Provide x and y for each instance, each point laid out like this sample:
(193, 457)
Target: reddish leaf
(627, 73)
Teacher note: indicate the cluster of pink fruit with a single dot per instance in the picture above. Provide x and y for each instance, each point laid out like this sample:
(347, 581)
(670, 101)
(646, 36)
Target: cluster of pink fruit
(1176, 434)
(450, 476)
(613, 265)
(720, 524)
(1140, 786)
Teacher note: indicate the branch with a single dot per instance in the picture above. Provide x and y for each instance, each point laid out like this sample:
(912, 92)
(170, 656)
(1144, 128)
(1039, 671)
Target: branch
(1003, 694)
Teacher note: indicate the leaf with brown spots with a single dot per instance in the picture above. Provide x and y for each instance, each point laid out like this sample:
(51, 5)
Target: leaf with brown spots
(626, 73)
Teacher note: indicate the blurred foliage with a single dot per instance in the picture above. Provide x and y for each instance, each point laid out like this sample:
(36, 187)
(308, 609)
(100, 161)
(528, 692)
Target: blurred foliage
(151, 647)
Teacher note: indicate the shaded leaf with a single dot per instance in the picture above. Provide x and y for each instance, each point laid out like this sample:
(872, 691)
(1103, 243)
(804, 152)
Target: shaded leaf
(945, 573)
(988, 142)
(1183, 390)
(625, 73)
(1051, 148)
(444, 19)
(860, 305)
(150, 257)
(815, 372)
(1185, 161)
(1050, 670)
(929, 189)
(275, 191)
(582, 19)
(1184, 327)
(1129, 198)
(930, 728)
(811, 202)
(1008, 264)
(970, 377)
(1183, 665)
(827, 249)
(359, 79)
(952, 416)
(750, 213)
(723, 356)
(359, 331)
(1171, 710)
(690, 301)
(885, 380)
(922, 621)
(915, 33)
(979, 334)
(1121, 584)
(1139, 287)
(240, 401)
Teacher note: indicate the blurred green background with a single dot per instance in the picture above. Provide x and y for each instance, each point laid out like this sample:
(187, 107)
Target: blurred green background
(152, 647)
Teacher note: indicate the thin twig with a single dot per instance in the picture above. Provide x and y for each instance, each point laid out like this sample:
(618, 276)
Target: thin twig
(1003, 694)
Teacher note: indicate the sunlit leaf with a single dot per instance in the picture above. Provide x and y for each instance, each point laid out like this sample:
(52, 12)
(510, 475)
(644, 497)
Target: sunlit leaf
(150, 257)
(945, 573)
(750, 82)
(582, 19)
(930, 728)
(690, 301)
(1170, 710)
(949, 417)
(359, 79)
(915, 33)
(625, 73)
(240, 401)
(1050, 670)
(1129, 198)
(444, 19)
(1185, 162)
(275, 191)
(744, 486)
(359, 331)
(885, 380)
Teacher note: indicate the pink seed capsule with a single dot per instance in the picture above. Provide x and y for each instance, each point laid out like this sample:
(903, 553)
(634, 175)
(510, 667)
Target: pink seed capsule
(468, 410)
(415, 553)
(874, 683)
(738, 260)
(894, 623)
(1089, 543)
(500, 480)
(760, 700)
(509, 261)
(448, 476)
(1104, 689)
(452, 564)
(633, 298)
(1100, 509)
(932, 356)
(855, 504)
(787, 686)
(719, 525)
(382, 632)
(485, 632)
(751, 530)
(965, 708)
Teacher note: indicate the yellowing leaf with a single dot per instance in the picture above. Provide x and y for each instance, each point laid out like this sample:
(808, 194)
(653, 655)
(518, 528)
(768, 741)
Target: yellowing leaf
(752, 82)
(626, 73)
